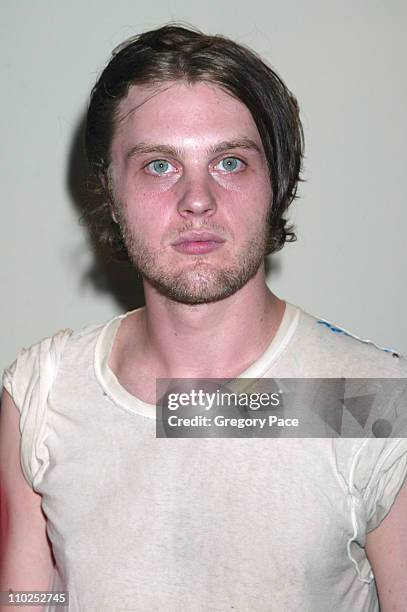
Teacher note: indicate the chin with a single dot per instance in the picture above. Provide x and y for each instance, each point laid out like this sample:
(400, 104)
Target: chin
(204, 286)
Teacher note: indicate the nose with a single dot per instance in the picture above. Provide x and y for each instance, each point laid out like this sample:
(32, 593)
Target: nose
(197, 197)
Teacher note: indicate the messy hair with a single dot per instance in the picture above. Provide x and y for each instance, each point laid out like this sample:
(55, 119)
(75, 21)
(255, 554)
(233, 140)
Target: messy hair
(177, 53)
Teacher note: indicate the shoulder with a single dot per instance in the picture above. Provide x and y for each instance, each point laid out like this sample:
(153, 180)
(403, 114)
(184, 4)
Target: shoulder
(40, 361)
(29, 381)
(343, 353)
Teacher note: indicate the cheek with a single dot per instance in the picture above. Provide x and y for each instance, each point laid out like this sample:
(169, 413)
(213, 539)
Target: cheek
(249, 206)
(143, 205)
(147, 230)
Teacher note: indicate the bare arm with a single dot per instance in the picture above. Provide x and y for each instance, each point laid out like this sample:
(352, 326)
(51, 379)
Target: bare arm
(26, 561)
(386, 548)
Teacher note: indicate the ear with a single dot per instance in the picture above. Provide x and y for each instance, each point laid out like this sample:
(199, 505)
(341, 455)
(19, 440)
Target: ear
(104, 181)
(112, 212)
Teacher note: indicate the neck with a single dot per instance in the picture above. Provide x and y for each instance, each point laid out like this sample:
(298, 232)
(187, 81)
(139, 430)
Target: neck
(208, 340)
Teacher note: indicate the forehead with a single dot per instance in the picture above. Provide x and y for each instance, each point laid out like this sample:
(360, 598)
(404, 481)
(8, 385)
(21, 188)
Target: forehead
(171, 111)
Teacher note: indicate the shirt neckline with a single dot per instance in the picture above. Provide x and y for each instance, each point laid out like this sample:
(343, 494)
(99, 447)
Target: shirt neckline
(120, 396)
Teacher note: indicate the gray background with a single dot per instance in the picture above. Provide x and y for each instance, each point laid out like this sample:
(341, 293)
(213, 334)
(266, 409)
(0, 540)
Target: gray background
(345, 62)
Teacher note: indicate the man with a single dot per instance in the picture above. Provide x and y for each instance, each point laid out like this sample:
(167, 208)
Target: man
(198, 146)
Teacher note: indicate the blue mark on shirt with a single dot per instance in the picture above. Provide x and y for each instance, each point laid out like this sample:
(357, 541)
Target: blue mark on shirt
(333, 328)
(338, 330)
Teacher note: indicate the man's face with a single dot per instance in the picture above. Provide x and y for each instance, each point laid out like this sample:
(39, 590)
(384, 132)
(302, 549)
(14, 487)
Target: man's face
(191, 189)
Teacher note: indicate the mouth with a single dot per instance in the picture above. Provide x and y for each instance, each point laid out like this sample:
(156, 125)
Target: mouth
(197, 243)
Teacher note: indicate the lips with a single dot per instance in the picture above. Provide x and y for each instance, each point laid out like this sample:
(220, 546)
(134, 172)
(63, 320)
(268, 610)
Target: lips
(197, 243)
(198, 237)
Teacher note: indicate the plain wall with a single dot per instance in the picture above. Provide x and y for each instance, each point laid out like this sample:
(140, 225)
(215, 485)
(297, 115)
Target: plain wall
(345, 62)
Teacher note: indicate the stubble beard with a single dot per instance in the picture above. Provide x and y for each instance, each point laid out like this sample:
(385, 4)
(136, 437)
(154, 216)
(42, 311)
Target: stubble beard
(201, 282)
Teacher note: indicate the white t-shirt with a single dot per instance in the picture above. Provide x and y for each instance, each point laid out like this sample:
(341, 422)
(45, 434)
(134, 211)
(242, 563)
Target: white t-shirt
(143, 523)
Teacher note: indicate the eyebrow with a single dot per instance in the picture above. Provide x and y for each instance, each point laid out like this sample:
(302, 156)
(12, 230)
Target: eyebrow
(143, 148)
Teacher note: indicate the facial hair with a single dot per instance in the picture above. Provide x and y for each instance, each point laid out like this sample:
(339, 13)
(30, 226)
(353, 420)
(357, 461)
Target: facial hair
(202, 281)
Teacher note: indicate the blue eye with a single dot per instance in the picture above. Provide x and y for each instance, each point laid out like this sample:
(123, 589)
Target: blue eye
(231, 164)
(159, 166)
